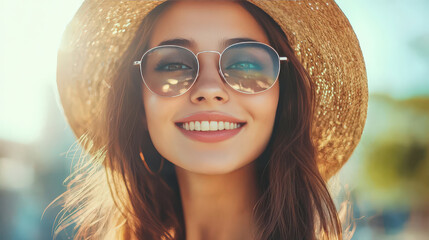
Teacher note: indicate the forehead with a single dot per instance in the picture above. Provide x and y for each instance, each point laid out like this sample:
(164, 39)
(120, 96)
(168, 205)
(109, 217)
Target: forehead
(207, 24)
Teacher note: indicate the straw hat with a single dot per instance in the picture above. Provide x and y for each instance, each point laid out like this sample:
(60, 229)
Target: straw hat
(318, 31)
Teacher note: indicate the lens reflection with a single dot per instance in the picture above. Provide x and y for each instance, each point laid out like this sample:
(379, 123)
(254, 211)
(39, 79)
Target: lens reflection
(250, 67)
(169, 70)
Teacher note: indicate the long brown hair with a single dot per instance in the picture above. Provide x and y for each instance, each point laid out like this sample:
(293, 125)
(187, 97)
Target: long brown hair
(112, 195)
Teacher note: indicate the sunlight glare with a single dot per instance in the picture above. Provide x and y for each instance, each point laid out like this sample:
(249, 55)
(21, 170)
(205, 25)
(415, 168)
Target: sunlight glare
(31, 33)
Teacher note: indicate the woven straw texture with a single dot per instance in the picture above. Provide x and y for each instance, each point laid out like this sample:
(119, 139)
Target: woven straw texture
(319, 33)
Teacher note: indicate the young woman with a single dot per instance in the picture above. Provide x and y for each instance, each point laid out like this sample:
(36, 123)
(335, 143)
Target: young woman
(209, 119)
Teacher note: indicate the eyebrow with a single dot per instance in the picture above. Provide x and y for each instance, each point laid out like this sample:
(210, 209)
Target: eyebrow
(189, 43)
(228, 42)
(177, 41)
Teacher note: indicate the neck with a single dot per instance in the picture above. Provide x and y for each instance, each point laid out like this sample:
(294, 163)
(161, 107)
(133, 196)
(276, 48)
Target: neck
(219, 206)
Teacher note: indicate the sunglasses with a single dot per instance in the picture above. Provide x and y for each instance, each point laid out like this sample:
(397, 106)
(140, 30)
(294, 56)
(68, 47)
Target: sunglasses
(247, 67)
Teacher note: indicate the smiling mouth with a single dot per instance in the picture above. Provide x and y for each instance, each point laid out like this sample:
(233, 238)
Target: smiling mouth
(206, 126)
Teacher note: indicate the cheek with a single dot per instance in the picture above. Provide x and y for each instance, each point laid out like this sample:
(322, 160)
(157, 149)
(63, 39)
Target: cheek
(148, 102)
(157, 116)
(263, 107)
(160, 124)
(263, 110)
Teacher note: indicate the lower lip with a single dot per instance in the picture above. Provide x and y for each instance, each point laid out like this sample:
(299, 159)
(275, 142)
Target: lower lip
(211, 136)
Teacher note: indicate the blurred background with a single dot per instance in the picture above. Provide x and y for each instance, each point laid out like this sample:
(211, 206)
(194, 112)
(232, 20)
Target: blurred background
(387, 177)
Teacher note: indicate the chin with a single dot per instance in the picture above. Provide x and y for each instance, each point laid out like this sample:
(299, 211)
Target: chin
(213, 167)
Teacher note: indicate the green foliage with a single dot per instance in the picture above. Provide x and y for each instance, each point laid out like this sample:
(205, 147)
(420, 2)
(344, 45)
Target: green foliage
(396, 158)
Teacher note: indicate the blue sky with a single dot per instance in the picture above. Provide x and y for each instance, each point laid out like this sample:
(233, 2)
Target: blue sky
(394, 36)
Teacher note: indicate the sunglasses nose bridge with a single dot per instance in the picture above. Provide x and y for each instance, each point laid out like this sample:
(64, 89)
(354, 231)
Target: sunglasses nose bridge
(216, 52)
(207, 52)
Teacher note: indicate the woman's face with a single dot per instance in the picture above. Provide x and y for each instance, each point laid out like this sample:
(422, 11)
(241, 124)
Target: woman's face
(208, 26)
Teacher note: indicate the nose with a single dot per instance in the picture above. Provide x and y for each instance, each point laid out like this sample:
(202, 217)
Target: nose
(209, 86)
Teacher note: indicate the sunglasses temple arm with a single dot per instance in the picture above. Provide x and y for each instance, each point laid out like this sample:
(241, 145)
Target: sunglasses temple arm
(283, 58)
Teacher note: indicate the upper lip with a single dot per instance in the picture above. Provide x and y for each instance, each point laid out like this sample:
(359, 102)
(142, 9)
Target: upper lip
(209, 116)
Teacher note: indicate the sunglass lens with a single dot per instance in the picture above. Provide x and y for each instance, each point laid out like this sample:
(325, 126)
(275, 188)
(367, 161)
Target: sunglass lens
(169, 70)
(250, 67)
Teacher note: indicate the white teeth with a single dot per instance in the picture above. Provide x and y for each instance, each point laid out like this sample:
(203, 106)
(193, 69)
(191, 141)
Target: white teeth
(213, 126)
(197, 126)
(205, 126)
(221, 126)
(209, 126)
